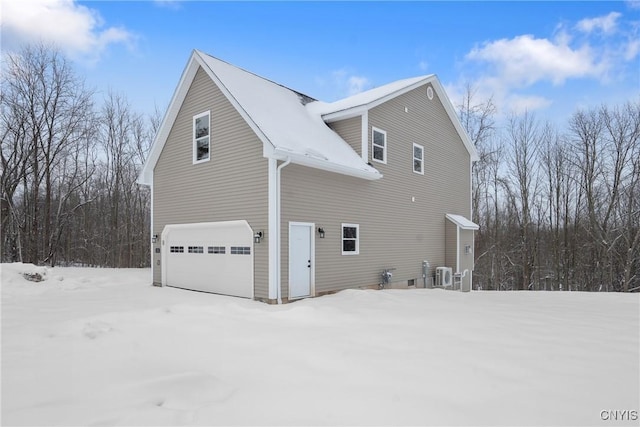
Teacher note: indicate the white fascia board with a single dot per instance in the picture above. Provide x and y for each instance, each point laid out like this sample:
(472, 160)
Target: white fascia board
(301, 159)
(177, 100)
(358, 110)
(451, 112)
(180, 93)
(345, 114)
(442, 95)
(247, 118)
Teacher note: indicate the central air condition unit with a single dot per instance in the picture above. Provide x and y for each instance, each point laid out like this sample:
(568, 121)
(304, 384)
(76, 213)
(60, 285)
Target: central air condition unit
(444, 277)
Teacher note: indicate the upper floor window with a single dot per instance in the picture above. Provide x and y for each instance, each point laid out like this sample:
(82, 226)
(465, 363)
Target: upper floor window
(379, 145)
(418, 159)
(350, 239)
(201, 137)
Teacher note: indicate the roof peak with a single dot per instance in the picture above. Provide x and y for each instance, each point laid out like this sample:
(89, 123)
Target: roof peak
(304, 98)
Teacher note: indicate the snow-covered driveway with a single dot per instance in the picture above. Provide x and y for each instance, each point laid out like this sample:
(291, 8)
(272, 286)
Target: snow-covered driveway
(103, 347)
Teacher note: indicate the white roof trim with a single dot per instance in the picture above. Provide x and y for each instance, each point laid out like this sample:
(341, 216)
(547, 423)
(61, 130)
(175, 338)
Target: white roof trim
(333, 154)
(189, 72)
(299, 134)
(462, 222)
(357, 104)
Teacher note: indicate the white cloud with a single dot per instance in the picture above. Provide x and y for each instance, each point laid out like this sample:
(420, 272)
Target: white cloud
(169, 4)
(423, 65)
(357, 84)
(347, 83)
(520, 104)
(632, 50)
(607, 23)
(633, 4)
(525, 60)
(76, 29)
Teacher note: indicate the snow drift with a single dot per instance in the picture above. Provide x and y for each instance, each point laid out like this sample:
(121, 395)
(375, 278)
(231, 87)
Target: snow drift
(103, 347)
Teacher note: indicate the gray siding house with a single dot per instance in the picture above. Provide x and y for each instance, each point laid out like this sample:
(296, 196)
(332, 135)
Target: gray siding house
(262, 192)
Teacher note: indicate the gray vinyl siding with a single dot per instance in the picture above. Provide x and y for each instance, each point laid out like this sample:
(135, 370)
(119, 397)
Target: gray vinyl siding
(396, 231)
(351, 131)
(233, 185)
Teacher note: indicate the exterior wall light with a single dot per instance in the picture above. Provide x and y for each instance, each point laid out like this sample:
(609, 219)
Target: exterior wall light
(321, 232)
(154, 238)
(257, 237)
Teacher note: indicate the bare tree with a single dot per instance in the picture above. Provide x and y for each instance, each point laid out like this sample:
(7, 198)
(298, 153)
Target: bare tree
(47, 111)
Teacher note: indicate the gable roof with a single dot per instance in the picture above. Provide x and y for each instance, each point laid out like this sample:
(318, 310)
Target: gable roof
(278, 116)
(291, 125)
(364, 101)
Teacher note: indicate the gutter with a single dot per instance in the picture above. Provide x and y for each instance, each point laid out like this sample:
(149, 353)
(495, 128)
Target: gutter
(366, 172)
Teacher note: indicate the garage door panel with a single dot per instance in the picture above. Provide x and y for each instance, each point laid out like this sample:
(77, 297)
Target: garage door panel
(222, 273)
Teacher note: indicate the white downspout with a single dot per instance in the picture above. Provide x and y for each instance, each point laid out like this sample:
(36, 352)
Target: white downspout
(279, 233)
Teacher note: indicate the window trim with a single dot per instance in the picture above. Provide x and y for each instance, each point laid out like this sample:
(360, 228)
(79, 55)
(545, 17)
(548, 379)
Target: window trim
(195, 140)
(373, 144)
(357, 239)
(414, 158)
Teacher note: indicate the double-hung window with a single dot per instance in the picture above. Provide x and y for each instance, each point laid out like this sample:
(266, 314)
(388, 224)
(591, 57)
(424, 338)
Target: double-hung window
(418, 159)
(201, 137)
(379, 145)
(350, 239)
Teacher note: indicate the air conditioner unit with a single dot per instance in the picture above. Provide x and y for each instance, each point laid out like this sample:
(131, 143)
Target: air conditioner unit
(444, 277)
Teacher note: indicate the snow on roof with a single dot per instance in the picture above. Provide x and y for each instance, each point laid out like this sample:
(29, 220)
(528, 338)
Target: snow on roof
(293, 131)
(291, 125)
(462, 222)
(372, 95)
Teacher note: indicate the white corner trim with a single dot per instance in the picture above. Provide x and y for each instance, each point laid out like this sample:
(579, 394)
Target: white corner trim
(365, 136)
(151, 246)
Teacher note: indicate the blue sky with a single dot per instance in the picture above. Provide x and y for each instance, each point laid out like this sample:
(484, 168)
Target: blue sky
(546, 57)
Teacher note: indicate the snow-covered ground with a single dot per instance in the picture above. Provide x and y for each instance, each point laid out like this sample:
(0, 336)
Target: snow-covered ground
(103, 347)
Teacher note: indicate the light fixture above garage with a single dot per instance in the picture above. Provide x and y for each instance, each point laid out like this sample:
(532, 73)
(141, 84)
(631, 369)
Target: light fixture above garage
(257, 237)
(321, 232)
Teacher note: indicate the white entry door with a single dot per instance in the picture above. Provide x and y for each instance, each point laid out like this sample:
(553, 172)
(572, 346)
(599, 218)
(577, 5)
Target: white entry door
(301, 259)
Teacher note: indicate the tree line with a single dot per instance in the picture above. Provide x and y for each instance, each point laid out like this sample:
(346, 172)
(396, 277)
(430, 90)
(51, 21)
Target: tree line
(558, 209)
(69, 167)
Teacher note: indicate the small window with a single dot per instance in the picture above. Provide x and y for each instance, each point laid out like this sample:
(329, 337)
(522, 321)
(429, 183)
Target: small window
(379, 146)
(350, 239)
(176, 249)
(418, 159)
(201, 137)
(240, 250)
(216, 249)
(196, 249)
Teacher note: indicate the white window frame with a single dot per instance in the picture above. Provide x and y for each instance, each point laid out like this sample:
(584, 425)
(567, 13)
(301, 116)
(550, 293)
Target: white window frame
(357, 239)
(414, 158)
(195, 140)
(373, 144)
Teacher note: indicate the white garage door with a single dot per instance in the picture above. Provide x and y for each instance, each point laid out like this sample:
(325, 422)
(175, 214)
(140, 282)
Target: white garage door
(209, 256)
